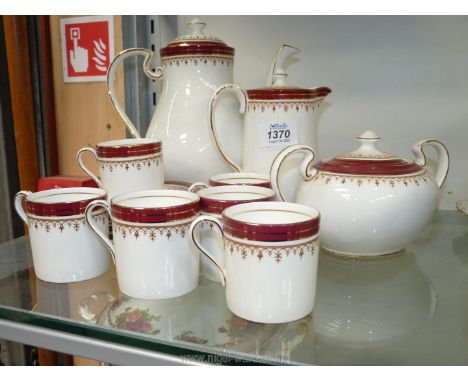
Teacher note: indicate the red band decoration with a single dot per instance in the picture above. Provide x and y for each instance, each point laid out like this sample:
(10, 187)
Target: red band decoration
(125, 151)
(271, 232)
(216, 183)
(59, 209)
(369, 167)
(217, 207)
(155, 215)
(191, 48)
(273, 93)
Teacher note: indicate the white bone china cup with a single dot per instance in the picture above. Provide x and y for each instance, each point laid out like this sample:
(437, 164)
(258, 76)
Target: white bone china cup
(234, 179)
(64, 248)
(152, 251)
(126, 165)
(240, 178)
(213, 201)
(270, 259)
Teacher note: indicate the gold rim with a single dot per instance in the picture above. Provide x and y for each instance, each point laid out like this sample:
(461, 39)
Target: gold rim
(361, 257)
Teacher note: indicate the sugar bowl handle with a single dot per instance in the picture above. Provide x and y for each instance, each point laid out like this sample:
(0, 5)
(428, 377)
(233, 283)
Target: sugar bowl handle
(196, 241)
(242, 97)
(443, 158)
(305, 169)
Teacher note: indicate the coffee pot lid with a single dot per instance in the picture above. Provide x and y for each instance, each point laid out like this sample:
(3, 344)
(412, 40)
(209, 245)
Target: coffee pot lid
(368, 160)
(196, 42)
(277, 87)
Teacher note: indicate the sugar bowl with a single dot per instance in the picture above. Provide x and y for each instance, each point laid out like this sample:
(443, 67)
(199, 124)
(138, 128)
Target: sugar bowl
(371, 203)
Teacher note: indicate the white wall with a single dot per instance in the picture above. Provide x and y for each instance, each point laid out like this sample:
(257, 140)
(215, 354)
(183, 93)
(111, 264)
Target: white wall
(405, 77)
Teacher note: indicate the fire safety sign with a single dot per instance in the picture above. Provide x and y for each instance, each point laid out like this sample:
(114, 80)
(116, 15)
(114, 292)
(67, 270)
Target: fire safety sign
(87, 47)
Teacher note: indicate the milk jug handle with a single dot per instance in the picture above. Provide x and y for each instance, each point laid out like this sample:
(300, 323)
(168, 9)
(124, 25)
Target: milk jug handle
(148, 54)
(443, 158)
(241, 96)
(305, 169)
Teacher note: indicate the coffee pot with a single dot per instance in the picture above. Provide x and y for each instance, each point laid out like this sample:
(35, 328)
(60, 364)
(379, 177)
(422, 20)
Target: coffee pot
(276, 116)
(192, 67)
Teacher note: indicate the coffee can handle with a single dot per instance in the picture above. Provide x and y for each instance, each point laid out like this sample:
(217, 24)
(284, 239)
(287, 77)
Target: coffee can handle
(89, 219)
(195, 187)
(86, 169)
(196, 241)
(20, 195)
(84, 308)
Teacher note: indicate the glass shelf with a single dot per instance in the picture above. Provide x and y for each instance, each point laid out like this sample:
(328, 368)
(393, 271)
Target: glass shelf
(404, 309)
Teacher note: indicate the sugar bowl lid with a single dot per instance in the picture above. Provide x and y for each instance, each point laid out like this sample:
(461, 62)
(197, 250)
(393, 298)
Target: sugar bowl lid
(196, 42)
(368, 160)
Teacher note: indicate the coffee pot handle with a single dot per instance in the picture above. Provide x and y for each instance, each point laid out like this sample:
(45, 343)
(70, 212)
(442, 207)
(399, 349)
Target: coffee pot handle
(86, 169)
(305, 169)
(196, 241)
(443, 158)
(154, 75)
(242, 97)
(89, 219)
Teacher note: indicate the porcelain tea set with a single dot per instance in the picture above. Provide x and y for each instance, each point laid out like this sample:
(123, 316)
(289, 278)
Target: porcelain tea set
(235, 228)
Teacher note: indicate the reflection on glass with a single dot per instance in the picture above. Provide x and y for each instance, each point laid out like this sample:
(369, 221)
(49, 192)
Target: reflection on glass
(368, 301)
(200, 317)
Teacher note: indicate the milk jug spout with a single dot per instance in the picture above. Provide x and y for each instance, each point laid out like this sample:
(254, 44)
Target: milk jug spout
(277, 71)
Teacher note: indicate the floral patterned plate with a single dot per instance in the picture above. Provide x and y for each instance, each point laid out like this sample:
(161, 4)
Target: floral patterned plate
(200, 317)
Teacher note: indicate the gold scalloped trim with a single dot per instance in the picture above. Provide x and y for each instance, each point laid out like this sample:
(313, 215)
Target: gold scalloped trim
(206, 225)
(416, 179)
(284, 106)
(365, 156)
(276, 253)
(128, 164)
(149, 231)
(197, 60)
